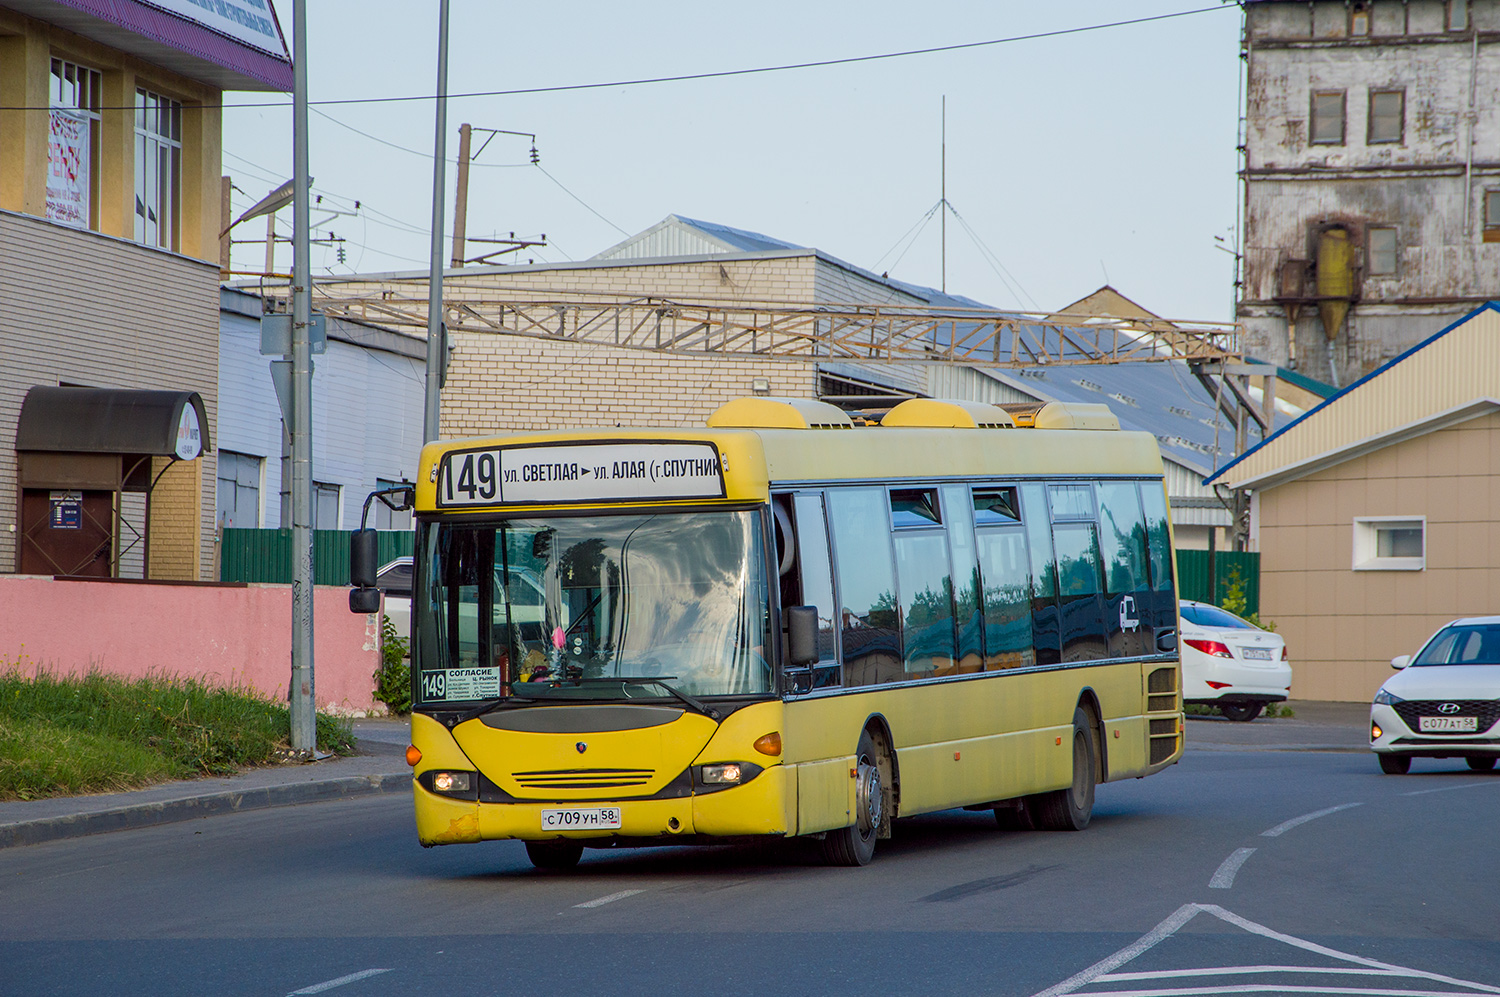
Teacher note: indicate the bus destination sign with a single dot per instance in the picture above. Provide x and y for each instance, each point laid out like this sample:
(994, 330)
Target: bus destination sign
(602, 472)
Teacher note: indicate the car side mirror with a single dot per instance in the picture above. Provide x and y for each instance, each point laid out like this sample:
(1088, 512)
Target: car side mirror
(363, 553)
(801, 635)
(1400, 661)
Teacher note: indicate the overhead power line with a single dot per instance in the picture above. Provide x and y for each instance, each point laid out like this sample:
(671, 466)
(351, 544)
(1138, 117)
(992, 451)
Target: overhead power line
(720, 74)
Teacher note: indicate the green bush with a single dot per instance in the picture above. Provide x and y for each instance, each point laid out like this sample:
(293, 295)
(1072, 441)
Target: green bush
(1233, 600)
(393, 677)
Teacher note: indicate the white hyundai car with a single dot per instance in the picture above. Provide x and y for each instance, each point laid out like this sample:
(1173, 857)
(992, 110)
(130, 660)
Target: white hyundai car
(1230, 663)
(1444, 702)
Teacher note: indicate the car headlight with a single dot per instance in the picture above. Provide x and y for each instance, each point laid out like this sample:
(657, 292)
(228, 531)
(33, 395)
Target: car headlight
(1383, 698)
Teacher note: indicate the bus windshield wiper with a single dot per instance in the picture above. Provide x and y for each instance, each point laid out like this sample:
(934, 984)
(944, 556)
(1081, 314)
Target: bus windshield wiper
(662, 681)
(487, 706)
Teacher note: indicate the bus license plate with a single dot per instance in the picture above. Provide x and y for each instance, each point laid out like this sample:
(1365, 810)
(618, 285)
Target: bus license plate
(588, 819)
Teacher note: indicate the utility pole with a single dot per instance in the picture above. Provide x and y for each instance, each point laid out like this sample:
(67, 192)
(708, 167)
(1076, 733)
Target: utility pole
(461, 199)
(436, 345)
(944, 193)
(303, 702)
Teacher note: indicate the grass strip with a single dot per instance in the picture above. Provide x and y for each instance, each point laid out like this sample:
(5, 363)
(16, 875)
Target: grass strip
(99, 733)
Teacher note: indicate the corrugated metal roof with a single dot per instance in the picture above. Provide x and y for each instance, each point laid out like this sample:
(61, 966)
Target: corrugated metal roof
(1444, 373)
(678, 236)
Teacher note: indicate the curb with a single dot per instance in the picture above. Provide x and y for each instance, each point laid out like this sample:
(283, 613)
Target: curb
(34, 832)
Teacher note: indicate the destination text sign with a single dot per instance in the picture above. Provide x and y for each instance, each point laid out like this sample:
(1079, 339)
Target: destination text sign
(587, 472)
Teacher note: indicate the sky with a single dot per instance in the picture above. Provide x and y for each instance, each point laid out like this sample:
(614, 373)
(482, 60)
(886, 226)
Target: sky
(1072, 161)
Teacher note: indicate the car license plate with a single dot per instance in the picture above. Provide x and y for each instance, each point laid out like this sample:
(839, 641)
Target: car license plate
(1256, 653)
(1447, 724)
(587, 819)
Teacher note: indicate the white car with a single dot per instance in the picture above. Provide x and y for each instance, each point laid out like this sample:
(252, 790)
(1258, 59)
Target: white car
(1230, 663)
(1444, 702)
(394, 579)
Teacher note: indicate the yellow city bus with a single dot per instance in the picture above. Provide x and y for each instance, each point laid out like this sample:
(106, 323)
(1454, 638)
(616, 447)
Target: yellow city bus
(785, 624)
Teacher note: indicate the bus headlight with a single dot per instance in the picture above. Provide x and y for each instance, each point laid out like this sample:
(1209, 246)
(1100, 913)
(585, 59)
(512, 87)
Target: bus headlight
(721, 775)
(449, 783)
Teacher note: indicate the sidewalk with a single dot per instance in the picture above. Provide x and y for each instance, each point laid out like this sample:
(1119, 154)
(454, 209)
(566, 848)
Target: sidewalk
(380, 767)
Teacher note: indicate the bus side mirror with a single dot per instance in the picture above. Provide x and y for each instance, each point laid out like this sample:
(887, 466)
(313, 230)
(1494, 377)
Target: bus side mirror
(801, 635)
(365, 599)
(363, 553)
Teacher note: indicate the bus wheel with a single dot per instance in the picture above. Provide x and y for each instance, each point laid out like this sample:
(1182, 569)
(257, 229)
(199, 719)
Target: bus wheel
(556, 855)
(1070, 809)
(856, 845)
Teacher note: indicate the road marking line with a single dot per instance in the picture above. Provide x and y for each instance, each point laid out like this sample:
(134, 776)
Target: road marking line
(318, 988)
(1160, 933)
(609, 899)
(1286, 826)
(1224, 876)
(1102, 971)
(1449, 789)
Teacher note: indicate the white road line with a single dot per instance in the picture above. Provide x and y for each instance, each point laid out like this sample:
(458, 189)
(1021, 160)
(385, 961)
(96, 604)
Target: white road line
(1224, 877)
(1286, 826)
(1270, 988)
(1449, 789)
(609, 899)
(318, 988)
(1158, 934)
(1167, 974)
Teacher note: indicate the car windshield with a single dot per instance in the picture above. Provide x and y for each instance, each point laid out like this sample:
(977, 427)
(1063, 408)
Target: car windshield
(594, 607)
(1469, 644)
(1213, 616)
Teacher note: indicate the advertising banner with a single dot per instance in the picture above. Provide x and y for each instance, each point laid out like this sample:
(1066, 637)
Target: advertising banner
(68, 169)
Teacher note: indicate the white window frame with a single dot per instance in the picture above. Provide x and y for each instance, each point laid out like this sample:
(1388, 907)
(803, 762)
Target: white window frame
(79, 89)
(1367, 531)
(158, 169)
(1372, 257)
(1314, 119)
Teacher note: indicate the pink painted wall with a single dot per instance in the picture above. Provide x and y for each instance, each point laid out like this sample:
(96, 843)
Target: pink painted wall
(222, 635)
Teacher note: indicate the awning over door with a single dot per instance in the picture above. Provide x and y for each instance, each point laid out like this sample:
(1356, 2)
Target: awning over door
(113, 420)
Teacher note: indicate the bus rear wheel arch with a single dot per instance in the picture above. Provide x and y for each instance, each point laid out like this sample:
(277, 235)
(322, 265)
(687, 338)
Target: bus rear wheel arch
(855, 845)
(1071, 808)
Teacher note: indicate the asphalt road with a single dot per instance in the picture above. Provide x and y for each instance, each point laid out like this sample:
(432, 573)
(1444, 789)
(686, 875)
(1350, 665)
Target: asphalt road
(1292, 869)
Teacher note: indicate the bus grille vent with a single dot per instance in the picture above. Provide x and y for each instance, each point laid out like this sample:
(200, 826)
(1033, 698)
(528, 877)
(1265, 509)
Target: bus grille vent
(1165, 725)
(1161, 704)
(1162, 680)
(1162, 748)
(585, 778)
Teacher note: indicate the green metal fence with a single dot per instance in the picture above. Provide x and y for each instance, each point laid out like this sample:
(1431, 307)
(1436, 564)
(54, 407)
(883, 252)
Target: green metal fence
(266, 555)
(1194, 580)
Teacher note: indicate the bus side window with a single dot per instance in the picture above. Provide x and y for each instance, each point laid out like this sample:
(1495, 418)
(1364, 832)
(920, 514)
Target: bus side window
(1128, 600)
(925, 583)
(815, 575)
(967, 584)
(1159, 543)
(1080, 582)
(1007, 599)
(1044, 618)
(869, 620)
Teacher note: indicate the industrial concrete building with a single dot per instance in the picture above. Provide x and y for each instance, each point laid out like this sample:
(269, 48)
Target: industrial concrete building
(1371, 177)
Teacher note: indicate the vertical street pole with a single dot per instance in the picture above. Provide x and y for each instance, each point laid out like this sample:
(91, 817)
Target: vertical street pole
(944, 194)
(435, 336)
(303, 702)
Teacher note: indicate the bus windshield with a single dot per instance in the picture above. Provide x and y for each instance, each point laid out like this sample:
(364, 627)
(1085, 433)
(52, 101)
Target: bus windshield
(594, 607)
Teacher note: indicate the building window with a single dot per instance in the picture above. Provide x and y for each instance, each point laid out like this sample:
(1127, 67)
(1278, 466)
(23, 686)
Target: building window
(325, 506)
(1328, 117)
(239, 491)
(1387, 116)
(1458, 15)
(1390, 543)
(1382, 255)
(158, 168)
(1492, 216)
(1359, 20)
(385, 517)
(73, 145)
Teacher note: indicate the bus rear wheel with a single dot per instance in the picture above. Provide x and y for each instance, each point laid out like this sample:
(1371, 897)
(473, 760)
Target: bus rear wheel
(1070, 809)
(558, 856)
(855, 845)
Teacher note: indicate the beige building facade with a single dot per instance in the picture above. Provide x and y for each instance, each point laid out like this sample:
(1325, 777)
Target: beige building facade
(1377, 515)
(111, 207)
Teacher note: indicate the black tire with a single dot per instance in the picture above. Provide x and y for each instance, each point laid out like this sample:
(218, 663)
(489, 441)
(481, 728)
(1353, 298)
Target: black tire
(556, 856)
(855, 845)
(1394, 764)
(1070, 809)
(1481, 763)
(1241, 712)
